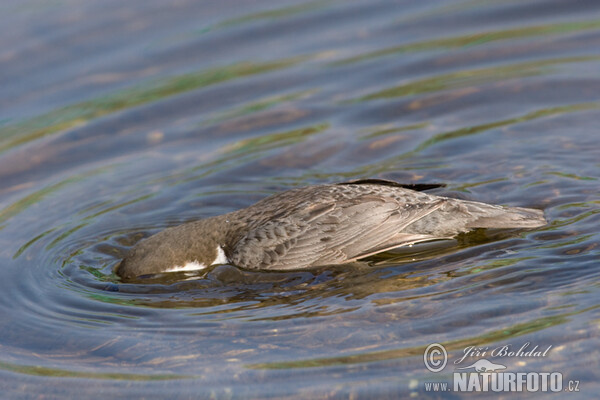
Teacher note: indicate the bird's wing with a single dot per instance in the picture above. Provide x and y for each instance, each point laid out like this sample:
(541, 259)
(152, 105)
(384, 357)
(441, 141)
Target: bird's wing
(419, 187)
(328, 233)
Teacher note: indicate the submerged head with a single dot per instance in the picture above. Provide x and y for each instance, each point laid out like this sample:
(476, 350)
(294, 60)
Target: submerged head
(140, 260)
(182, 248)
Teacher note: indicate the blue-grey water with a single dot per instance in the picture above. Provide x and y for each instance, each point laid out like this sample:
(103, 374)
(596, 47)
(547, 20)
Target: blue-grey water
(118, 119)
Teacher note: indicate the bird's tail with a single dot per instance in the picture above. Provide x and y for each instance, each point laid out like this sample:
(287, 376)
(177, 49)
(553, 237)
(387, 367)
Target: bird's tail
(502, 217)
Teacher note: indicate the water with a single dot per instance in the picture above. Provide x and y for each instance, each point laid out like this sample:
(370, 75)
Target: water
(119, 119)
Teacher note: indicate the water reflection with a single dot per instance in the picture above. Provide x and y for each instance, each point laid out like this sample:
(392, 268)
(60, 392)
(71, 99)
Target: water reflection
(401, 272)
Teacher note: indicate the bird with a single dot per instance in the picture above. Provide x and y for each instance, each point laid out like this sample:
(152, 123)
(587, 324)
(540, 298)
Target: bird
(318, 225)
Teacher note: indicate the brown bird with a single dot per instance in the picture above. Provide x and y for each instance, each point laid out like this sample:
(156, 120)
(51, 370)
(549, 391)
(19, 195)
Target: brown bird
(319, 225)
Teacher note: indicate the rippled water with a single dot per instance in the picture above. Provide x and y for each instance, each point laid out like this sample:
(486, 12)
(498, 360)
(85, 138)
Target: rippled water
(119, 119)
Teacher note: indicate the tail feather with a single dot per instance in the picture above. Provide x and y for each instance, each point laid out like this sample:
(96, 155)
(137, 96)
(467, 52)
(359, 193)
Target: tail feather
(457, 216)
(491, 216)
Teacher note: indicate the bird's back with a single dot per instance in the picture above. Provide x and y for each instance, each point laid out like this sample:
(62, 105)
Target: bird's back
(332, 224)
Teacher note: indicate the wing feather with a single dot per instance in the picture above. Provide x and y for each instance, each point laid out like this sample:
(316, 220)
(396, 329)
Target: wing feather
(331, 234)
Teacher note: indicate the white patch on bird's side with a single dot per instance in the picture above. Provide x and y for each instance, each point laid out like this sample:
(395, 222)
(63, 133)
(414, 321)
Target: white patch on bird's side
(189, 266)
(196, 266)
(221, 257)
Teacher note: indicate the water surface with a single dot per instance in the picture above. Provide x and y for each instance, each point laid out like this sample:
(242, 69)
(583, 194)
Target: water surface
(120, 119)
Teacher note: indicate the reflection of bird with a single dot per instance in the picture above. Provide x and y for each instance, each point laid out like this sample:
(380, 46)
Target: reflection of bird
(319, 225)
(484, 365)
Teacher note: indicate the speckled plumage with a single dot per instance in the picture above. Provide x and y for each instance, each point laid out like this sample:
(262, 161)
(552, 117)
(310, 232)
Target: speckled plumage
(321, 225)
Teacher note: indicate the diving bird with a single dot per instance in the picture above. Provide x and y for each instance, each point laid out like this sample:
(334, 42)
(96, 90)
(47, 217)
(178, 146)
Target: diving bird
(319, 225)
